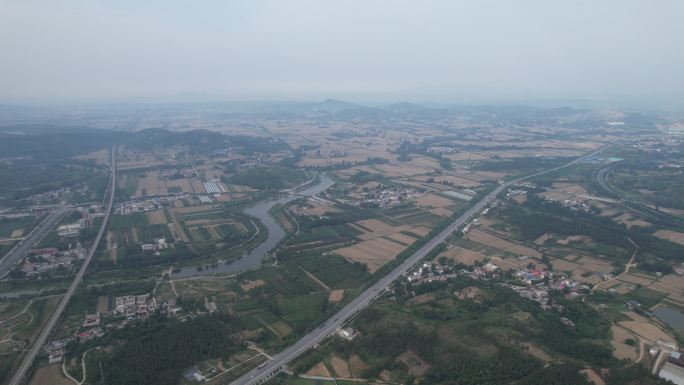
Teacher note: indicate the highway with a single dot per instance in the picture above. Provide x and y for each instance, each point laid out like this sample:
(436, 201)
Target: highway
(54, 318)
(278, 361)
(20, 251)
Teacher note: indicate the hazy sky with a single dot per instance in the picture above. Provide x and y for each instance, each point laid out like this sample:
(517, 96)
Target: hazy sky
(77, 50)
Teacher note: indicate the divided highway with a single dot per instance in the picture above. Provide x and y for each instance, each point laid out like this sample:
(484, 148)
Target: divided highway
(45, 333)
(278, 361)
(20, 251)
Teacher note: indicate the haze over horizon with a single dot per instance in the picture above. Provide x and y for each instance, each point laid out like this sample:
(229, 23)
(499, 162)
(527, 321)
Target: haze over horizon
(363, 51)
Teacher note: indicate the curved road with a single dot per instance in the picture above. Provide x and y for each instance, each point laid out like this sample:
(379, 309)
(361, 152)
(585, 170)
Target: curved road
(604, 182)
(278, 361)
(38, 344)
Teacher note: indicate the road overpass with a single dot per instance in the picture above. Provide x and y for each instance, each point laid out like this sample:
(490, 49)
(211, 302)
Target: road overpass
(278, 361)
(21, 250)
(54, 318)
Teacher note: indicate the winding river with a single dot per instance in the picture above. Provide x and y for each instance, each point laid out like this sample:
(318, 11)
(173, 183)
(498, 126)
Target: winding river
(275, 234)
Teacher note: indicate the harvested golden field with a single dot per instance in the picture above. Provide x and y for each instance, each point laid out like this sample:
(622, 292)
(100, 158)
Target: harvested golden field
(336, 296)
(673, 236)
(536, 351)
(631, 221)
(442, 212)
(487, 175)
(102, 304)
(432, 200)
(184, 184)
(459, 254)
(479, 236)
(192, 210)
(591, 279)
(196, 186)
(555, 195)
(156, 217)
(466, 155)
(595, 265)
(319, 370)
(673, 280)
(238, 188)
(125, 165)
(542, 238)
(340, 367)
(424, 161)
(373, 253)
(451, 179)
(357, 366)
(150, 184)
(624, 288)
(250, 285)
(178, 233)
(49, 375)
(414, 363)
(515, 263)
(420, 231)
(638, 280)
(620, 349)
(520, 198)
(399, 170)
(108, 240)
(570, 188)
(374, 228)
(593, 377)
(281, 329)
(99, 156)
(313, 207)
(402, 238)
(577, 240)
(646, 330)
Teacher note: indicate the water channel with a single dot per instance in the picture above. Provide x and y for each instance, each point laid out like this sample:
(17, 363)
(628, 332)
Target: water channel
(275, 233)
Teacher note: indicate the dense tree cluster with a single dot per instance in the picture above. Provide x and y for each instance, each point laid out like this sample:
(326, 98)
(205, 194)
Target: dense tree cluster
(162, 349)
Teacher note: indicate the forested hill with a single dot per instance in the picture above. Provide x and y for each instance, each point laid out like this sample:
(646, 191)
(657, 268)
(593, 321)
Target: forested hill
(65, 143)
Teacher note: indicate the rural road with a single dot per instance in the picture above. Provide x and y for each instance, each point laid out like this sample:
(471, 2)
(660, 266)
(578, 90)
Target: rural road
(20, 251)
(45, 333)
(279, 360)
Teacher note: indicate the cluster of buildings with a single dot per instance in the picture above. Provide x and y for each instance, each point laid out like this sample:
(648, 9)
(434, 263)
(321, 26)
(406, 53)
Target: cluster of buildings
(539, 294)
(442, 150)
(347, 333)
(134, 305)
(515, 192)
(130, 307)
(143, 205)
(388, 197)
(41, 261)
(575, 205)
(673, 368)
(156, 247)
(194, 375)
(138, 206)
(176, 173)
(49, 196)
(325, 154)
(71, 229)
(538, 283)
(55, 350)
(434, 272)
